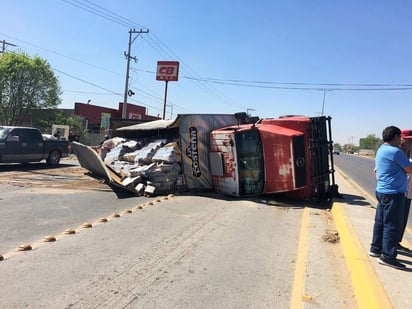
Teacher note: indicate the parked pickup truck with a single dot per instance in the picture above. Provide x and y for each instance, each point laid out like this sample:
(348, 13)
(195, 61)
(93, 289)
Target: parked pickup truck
(25, 144)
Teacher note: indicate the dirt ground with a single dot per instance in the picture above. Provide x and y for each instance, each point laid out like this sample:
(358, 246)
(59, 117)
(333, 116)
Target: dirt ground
(40, 175)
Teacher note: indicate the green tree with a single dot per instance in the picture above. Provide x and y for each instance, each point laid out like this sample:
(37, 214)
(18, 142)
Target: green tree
(58, 117)
(370, 142)
(25, 84)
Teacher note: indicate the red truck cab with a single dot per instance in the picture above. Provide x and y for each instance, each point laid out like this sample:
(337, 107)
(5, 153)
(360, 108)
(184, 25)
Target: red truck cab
(287, 154)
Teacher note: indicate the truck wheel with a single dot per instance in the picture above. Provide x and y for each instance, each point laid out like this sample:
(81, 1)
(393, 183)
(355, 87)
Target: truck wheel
(54, 158)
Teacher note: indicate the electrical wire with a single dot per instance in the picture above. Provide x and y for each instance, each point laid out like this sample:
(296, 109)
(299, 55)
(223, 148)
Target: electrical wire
(204, 83)
(299, 85)
(154, 42)
(111, 92)
(163, 50)
(97, 86)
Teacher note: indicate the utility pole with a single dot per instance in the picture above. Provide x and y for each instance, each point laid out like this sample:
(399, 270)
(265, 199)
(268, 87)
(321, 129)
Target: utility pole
(165, 99)
(350, 144)
(4, 43)
(128, 57)
(323, 103)
(171, 110)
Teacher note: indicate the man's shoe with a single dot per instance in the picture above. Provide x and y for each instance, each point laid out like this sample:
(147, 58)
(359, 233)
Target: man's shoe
(374, 254)
(403, 249)
(391, 263)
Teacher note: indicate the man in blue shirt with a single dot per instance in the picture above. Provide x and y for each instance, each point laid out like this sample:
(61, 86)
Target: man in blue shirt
(392, 165)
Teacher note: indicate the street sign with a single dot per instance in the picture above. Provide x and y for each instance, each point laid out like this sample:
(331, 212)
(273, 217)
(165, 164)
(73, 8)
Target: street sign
(167, 70)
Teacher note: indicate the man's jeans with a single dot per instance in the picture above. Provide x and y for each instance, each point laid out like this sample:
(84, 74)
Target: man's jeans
(388, 222)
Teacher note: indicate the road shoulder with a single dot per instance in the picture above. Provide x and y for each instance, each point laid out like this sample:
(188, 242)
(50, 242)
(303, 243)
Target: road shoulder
(376, 286)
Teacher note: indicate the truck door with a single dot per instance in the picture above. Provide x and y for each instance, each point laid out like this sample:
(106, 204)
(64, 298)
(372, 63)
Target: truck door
(32, 142)
(25, 145)
(12, 152)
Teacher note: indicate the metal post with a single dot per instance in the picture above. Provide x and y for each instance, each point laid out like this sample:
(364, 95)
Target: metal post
(124, 110)
(164, 104)
(128, 56)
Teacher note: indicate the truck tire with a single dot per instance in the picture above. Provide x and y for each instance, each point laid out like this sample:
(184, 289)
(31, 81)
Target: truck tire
(54, 158)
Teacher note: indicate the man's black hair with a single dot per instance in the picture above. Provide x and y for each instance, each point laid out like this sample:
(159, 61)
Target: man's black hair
(389, 133)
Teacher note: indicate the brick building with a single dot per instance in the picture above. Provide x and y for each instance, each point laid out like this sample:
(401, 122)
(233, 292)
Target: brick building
(97, 118)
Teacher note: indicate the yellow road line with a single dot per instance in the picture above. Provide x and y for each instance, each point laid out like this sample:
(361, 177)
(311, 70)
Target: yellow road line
(368, 289)
(299, 278)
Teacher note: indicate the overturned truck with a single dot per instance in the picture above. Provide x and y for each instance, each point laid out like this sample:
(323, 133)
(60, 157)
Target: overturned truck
(230, 154)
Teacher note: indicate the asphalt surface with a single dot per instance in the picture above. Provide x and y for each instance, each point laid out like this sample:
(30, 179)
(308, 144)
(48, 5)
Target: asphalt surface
(180, 252)
(184, 252)
(129, 263)
(360, 171)
(36, 200)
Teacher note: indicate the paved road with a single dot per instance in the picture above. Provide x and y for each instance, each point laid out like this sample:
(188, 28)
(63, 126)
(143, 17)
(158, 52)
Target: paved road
(180, 252)
(360, 170)
(36, 201)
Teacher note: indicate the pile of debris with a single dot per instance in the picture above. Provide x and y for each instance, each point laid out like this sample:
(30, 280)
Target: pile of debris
(145, 166)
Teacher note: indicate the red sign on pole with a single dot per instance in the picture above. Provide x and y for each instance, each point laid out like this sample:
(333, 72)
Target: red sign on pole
(167, 70)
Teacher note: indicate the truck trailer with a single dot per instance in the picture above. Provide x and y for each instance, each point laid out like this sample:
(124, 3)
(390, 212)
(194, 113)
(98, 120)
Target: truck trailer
(232, 154)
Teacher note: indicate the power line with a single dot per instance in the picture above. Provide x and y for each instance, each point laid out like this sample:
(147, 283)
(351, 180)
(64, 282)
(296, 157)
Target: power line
(319, 88)
(311, 84)
(87, 82)
(298, 85)
(62, 55)
(95, 9)
(97, 86)
(162, 49)
(88, 64)
(190, 72)
(204, 83)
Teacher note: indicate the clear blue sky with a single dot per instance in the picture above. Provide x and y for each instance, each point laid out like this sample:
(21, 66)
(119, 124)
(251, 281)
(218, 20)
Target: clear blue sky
(256, 52)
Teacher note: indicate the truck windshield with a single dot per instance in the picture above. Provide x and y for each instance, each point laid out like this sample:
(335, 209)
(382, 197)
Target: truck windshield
(250, 158)
(3, 133)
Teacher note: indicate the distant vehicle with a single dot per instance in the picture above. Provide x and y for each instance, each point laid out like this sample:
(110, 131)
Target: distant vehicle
(336, 151)
(26, 144)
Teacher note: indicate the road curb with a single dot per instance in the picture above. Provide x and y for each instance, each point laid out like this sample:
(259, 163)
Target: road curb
(369, 291)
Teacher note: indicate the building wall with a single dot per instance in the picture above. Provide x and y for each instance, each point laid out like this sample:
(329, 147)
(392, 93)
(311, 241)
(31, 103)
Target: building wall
(92, 114)
(133, 111)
